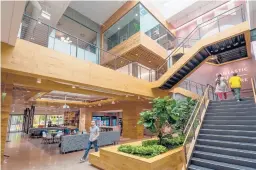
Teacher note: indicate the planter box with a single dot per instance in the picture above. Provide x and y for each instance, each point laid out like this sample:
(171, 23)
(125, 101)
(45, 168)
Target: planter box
(110, 158)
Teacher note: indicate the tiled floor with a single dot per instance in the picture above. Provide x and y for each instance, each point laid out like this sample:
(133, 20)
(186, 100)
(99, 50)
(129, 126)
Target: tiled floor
(30, 154)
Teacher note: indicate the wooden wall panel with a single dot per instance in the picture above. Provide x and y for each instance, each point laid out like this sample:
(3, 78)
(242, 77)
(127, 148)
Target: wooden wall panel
(138, 48)
(33, 60)
(109, 158)
(5, 113)
(85, 120)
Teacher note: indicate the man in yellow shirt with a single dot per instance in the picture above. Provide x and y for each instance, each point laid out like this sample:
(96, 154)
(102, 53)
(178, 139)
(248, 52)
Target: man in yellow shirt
(235, 84)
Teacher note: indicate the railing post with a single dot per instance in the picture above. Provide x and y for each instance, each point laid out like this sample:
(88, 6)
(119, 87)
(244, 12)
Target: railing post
(76, 47)
(218, 23)
(242, 14)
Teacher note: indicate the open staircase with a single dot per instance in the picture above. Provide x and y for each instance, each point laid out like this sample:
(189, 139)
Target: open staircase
(227, 138)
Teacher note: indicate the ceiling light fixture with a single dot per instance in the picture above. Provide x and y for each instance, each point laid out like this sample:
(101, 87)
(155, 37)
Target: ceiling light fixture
(113, 102)
(99, 104)
(66, 40)
(46, 14)
(118, 28)
(39, 22)
(138, 97)
(136, 15)
(149, 61)
(90, 106)
(38, 81)
(28, 91)
(73, 87)
(136, 54)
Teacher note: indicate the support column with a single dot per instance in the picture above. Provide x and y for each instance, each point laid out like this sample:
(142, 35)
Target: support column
(85, 119)
(5, 113)
(130, 118)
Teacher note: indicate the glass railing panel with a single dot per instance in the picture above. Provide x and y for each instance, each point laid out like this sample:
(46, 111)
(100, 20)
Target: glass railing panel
(208, 28)
(155, 30)
(231, 18)
(124, 28)
(87, 52)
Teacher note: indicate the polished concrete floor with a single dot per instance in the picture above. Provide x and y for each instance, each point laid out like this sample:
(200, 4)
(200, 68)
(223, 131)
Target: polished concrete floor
(29, 154)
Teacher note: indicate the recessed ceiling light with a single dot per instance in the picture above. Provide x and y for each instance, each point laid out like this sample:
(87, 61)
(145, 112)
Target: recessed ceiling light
(28, 91)
(39, 22)
(73, 87)
(138, 97)
(38, 81)
(149, 61)
(118, 28)
(113, 102)
(136, 15)
(99, 104)
(90, 106)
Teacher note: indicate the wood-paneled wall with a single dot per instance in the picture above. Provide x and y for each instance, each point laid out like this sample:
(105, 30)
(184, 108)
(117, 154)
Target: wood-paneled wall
(85, 120)
(29, 59)
(5, 113)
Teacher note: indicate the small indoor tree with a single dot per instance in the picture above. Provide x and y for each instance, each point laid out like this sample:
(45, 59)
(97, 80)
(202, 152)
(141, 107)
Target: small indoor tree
(160, 117)
(167, 113)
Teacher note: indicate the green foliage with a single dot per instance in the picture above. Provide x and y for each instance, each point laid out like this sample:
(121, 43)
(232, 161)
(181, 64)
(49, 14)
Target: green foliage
(167, 112)
(143, 151)
(183, 110)
(173, 142)
(150, 142)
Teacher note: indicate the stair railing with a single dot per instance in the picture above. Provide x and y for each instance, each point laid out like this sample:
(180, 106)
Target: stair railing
(185, 43)
(192, 128)
(198, 88)
(254, 88)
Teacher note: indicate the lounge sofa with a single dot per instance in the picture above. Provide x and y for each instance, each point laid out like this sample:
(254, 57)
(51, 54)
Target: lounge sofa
(79, 142)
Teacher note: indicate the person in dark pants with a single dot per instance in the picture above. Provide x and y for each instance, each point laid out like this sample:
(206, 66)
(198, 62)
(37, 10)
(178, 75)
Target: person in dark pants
(235, 83)
(93, 140)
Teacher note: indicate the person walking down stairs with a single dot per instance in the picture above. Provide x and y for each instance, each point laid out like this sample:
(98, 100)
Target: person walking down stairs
(235, 85)
(227, 137)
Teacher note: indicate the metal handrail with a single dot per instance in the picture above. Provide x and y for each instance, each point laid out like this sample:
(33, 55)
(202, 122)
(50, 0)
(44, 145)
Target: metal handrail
(194, 116)
(76, 42)
(254, 88)
(187, 37)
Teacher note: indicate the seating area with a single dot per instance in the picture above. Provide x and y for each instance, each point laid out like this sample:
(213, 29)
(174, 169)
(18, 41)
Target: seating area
(79, 142)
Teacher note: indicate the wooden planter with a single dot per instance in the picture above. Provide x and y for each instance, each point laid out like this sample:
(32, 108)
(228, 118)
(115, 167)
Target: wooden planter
(110, 158)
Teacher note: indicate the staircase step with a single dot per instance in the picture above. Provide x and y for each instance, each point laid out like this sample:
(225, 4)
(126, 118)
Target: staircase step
(227, 113)
(235, 105)
(230, 104)
(228, 122)
(228, 132)
(228, 138)
(241, 109)
(230, 127)
(228, 144)
(194, 167)
(217, 165)
(244, 100)
(226, 158)
(226, 151)
(220, 117)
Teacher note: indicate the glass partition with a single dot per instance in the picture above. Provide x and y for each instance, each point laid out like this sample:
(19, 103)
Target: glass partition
(39, 121)
(138, 19)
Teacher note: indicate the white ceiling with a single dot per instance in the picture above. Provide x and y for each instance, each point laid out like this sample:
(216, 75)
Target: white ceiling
(193, 11)
(11, 12)
(97, 11)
